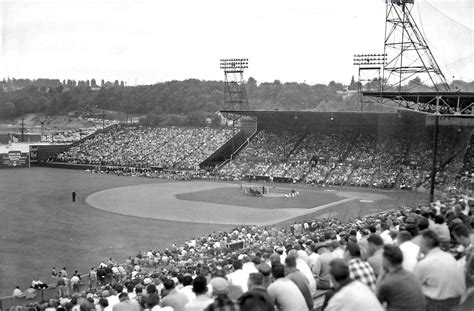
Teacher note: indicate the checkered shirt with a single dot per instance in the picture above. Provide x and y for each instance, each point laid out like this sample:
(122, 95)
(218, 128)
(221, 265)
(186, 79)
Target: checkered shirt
(363, 272)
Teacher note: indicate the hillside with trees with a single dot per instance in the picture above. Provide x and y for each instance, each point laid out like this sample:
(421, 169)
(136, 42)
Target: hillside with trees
(174, 102)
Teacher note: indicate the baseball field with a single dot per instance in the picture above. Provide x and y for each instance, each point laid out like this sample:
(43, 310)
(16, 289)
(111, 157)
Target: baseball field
(40, 226)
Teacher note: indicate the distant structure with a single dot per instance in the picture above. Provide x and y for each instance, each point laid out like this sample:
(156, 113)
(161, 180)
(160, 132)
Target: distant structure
(409, 56)
(411, 77)
(235, 95)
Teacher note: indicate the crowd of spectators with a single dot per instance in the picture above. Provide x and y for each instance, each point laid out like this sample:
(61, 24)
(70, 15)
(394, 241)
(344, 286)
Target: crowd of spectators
(324, 157)
(362, 159)
(389, 260)
(164, 147)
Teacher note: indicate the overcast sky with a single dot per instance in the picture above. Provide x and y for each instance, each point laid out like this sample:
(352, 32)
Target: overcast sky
(149, 41)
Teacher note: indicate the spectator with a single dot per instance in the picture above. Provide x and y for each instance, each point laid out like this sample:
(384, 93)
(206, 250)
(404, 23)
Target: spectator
(409, 249)
(126, 304)
(303, 267)
(359, 270)
(375, 253)
(17, 293)
(350, 294)
(238, 277)
(397, 287)
(173, 299)
(257, 297)
(321, 269)
(284, 292)
(442, 281)
(200, 290)
(220, 290)
(187, 289)
(293, 274)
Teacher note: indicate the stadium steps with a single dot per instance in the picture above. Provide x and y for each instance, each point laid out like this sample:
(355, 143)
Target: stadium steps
(298, 143)
(228, 150)
(343, 156)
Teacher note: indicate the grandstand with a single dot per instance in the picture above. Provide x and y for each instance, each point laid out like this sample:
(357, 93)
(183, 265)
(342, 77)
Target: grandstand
(374, 150)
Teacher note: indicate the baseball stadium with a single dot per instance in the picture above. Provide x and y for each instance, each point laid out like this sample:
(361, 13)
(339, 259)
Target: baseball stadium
(368, 208)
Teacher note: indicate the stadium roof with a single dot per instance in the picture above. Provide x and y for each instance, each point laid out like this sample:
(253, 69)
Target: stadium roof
(324, 118)
(449, 102)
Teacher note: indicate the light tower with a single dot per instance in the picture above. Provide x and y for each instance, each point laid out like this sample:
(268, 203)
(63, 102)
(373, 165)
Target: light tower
(408, 54)
(235, 95)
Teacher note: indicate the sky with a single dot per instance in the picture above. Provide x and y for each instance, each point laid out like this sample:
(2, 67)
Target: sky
(150, 41)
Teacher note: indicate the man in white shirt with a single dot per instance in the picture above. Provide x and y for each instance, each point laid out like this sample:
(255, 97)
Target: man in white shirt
(442, 281)
(200, 290)
(238, 277)
(409, 249)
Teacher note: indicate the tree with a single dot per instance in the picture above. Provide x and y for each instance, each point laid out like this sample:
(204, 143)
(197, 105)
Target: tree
(353, 85)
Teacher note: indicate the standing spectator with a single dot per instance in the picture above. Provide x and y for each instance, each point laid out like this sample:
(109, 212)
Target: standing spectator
(92, 278)
(75, 283)
(350, 294)
(359, 270)
(409, 249)
(222, 302)
(321, 269)
(398, 287)
(442, 281)
(285, 293)
(295, 275)
(200, 290)
(61, 285)
(256, 296)
(74, 196)
(174, 299)
(375, 253)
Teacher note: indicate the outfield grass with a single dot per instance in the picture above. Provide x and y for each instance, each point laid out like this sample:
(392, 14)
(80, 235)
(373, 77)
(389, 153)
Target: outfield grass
(40, 227)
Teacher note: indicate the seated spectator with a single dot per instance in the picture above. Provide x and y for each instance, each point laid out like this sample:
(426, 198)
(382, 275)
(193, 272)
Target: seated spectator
(17, 293)
(397, 287)
(359, 270)
(200, 290)
(441, 279)
(220, 290)
(375, 252)
(350, 294)
(284, 292)
(126, 304)
(295, 275)
(257, 295)
(174, 298)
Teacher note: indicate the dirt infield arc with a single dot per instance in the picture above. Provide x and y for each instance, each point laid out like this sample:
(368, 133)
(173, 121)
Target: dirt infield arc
(158, 201)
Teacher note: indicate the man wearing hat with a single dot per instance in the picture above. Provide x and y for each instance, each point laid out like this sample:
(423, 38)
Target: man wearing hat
(222, 302)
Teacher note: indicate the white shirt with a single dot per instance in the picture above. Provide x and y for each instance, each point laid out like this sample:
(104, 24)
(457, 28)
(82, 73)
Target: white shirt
(249, 267)
(354, 296)
(387, 239)
(188, 291)
(239, 278)
(410, 254)
(304, 268)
